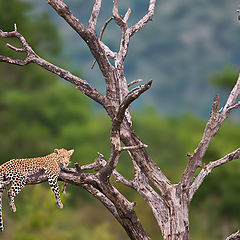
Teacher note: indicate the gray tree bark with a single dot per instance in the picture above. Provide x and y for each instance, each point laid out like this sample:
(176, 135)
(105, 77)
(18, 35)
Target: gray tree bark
(169, 202)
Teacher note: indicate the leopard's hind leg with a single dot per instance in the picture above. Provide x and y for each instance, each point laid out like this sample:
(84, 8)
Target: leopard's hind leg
(18, 182)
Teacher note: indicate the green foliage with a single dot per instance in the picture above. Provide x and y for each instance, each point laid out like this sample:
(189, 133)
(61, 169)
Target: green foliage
(37, 218)
(225, 79)
(38, 31)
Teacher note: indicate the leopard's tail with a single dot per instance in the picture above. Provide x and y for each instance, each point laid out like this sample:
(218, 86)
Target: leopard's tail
(1, 193)
(1, 219)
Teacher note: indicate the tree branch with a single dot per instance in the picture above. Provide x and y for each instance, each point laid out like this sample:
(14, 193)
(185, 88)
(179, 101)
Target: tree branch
(134, 82)
(195, 159)
(96, 165)
(94, 16)
(71, 176)
(215, 122)
(133, 95)
(231, 101)
(32, 57)
(112, 199)
(63, 10)
(128, 32)
(103, 199)
(124, 43)
(141, 185)
(133, 147)
(25, 48)
(142, 22)
(117, 204)
(81, 85)
(107, 50)
(90, 37)
(152, 198)
(115, 131)
(209, 167)
(117, 17)
(127, 15)
(142, 159)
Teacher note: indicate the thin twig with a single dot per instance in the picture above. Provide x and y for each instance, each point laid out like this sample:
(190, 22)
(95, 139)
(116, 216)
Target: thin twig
(117, 17)
(148, 17)
(127, 15)
(209, 167)
(14, 48)
(96, 165)
(134, 82)
(94, 15)
(231, 101)
(104, 27)
(127, 148)
(101, 35)
(32, 57)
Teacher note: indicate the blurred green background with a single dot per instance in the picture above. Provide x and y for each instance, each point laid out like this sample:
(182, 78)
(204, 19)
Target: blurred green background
(40, 112)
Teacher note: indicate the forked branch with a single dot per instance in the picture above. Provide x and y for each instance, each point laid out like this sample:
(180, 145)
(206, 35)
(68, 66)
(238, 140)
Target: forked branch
(142, 22)
(63, 10)
(31, 55)
(115, 131)
(120, 20)
(88, 35)
(231, 101)
(132, 95)
(215, 122)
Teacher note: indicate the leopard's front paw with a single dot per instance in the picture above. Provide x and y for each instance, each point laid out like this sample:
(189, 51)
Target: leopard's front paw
(13, 207)
(60, 205)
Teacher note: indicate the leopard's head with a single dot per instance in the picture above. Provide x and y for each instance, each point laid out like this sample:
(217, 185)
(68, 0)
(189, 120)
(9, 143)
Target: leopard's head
(63, 157)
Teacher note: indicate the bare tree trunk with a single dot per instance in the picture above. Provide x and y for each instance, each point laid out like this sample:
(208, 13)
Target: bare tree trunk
(168, 202)
(177, 226)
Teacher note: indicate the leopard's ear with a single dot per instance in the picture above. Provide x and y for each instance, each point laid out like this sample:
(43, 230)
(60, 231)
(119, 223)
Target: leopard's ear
(56, 151)
(71, 152)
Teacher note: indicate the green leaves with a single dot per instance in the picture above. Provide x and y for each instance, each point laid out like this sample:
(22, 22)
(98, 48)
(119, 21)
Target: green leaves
(225, 78)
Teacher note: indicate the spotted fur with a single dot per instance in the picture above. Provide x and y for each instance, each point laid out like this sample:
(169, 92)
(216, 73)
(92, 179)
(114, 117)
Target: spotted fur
(17, 170)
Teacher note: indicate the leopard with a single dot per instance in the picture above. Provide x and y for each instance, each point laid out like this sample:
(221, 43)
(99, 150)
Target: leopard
(16, 172)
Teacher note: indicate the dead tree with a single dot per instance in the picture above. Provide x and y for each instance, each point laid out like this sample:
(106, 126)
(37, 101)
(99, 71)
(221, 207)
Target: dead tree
(169, 202)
